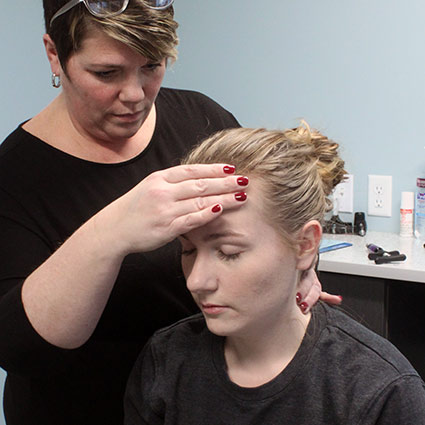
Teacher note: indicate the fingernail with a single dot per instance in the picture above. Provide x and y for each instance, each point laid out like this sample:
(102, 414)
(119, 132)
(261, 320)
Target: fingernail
(216, 208)
(298, 298)
(304, 307)
(241, 196)
(243, 181)
(340, 297)
(229, 169)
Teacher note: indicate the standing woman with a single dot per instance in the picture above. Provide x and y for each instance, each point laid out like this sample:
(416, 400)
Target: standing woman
(83, 210)
(89, 270)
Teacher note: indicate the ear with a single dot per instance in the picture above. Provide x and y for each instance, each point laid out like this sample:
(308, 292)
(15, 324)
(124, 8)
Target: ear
(308, 246)
(52, 54)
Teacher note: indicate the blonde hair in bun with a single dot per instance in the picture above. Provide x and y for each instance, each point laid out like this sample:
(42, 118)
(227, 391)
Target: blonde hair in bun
(297, 168)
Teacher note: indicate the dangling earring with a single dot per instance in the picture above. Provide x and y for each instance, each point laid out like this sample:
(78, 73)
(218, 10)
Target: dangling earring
(56, 81)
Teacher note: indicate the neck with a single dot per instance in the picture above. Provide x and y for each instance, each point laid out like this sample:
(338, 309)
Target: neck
(256, 359)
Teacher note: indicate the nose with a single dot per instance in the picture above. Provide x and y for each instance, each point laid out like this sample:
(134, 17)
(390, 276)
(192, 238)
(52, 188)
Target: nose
(202, 277)
(132, 90)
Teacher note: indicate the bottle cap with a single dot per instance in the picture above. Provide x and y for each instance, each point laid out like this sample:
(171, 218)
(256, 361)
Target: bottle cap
(407, 200)
(420, 182)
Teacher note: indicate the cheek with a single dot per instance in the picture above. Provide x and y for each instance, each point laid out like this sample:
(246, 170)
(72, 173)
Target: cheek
(154, 84)
(90, 92)
(270, 282)
(100, 96)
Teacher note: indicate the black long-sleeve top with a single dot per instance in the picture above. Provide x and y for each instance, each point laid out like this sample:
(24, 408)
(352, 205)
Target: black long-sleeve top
(45, 195)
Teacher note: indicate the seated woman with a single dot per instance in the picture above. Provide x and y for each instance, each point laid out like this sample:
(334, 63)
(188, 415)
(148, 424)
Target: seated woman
(252, 357)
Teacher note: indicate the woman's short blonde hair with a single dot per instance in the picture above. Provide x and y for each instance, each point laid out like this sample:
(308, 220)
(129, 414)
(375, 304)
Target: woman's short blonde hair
(297, 170)
(150, 32)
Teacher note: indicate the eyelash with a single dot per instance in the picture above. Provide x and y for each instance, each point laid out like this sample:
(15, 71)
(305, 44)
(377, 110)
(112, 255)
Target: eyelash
(151, 67)
(104, 75)
(228, 257)
(221, 254)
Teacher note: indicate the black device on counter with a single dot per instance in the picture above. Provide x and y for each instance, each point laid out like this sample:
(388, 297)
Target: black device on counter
(360, 226)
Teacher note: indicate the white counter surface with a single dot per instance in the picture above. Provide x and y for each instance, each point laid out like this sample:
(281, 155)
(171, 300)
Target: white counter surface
(353, 259)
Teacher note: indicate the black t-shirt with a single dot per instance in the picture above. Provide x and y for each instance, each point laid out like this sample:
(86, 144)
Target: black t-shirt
(45, 195)
(342, 374)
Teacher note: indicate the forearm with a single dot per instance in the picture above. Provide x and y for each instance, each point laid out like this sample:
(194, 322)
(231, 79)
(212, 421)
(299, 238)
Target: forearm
(65, 297)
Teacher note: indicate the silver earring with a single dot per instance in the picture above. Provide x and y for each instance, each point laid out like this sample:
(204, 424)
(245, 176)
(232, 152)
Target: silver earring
(56, 81)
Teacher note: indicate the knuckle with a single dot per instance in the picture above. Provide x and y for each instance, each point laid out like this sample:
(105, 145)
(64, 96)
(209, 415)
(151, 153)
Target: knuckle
(231, 183)
(154, 177)
(200, 203)
(191, 221)
(201, 186)
(189, 169)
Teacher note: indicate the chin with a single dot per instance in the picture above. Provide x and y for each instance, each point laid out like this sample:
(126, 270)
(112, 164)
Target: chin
(219, 328)
(123, 133)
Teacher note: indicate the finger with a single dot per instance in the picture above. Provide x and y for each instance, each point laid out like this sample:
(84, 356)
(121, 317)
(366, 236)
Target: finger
(192, 221)
(311, 297)
(182, 173)
(192, 189)
(330, 298)
(309, 283)
(194, 213)
(228, 201)
(309, 290)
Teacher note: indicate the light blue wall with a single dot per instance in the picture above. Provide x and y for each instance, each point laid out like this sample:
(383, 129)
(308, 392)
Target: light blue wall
(24, 71)
(352, 68)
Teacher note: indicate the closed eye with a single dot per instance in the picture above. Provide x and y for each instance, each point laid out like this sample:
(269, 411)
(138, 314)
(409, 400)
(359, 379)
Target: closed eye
(228, 257)
(152, 66)
(104, 75)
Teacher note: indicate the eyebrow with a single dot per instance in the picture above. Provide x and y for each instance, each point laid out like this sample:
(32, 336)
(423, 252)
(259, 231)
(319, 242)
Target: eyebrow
(218, 235)
(105, 65)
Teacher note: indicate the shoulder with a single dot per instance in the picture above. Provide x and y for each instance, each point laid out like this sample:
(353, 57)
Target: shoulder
(179, 343)
(14, 141)
(18, 154)
(193, 102)
(182, 332)
(186, 96)
(349, 362)
(352, 343)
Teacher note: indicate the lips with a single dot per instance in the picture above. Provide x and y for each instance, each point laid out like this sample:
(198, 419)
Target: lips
(213, 309)
(130, 116)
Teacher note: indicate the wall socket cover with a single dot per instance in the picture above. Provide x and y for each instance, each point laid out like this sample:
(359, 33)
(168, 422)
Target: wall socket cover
(343, 194)
(380, 195)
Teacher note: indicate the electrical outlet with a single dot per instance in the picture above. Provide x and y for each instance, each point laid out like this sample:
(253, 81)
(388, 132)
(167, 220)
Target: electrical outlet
(343, 194)
(380, 195)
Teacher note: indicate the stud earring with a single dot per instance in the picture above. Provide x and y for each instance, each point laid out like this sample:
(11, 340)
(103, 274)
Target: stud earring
(56, 81)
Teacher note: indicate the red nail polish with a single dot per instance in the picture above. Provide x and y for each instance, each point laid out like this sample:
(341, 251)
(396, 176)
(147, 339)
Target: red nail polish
(229, 169)
(241, 196)
(298, 298)
(303, 306)
(216, 208)
(340, 297)
(242, 181)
